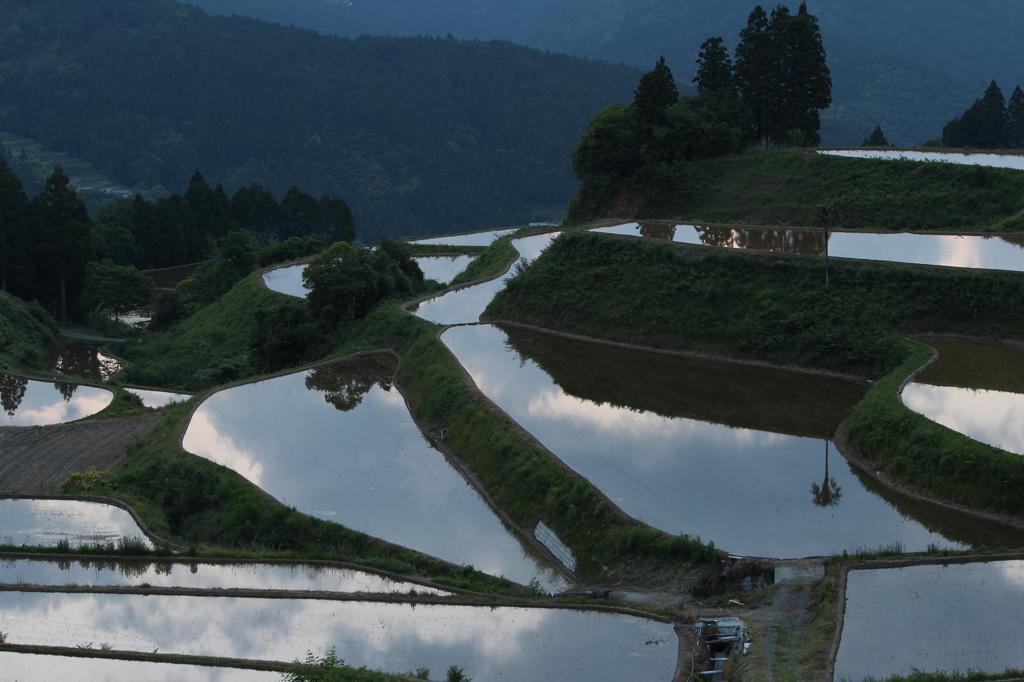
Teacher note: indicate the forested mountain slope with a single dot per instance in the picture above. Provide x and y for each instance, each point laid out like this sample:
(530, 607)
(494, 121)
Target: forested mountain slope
(910, 65)
(416, 134)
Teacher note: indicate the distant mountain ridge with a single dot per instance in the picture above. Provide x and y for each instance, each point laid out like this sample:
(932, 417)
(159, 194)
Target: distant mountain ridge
(909, 65)
(417, 134)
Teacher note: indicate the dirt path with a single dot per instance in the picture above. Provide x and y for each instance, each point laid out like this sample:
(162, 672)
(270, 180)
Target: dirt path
(35, 460)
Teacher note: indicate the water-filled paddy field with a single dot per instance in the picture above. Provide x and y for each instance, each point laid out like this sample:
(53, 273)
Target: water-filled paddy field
(1013, 161)
(489, 643)
(442, 269)
(84, 361)
(960, 251)
(975, 387)
(933, 618)
(40, 668)
(48, 522)
(466, 305)
(287, 281)
(337, 442)
(735, 454)
(485, 238)
(26, 402)
(200, 575)
(157, 399)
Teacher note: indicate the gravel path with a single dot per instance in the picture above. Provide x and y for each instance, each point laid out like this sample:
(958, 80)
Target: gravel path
(36, 460)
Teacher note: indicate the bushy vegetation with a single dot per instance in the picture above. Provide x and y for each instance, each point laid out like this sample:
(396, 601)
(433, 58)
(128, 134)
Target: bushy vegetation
(751, 305)
(989, 123)
(491, 263)
(27, 333)
(925, 455)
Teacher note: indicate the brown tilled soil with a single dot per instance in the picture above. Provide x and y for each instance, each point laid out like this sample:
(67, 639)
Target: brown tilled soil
(36, 460)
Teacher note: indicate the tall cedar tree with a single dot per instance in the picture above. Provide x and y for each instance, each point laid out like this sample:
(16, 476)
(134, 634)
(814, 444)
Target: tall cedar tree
(16, 270)
(655, 94)
(983, 125)
(64, 241)
(782, 73)
(876, 138)
(1015, 119)
(714, 69)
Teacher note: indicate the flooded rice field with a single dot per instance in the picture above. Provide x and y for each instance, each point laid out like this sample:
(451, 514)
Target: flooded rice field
(46, 523)
(26, 402)
(489, 643)
(201, 575)
(933, 618)
(442, 269)
(38, 668)
(84, 361)
(975, 387)
(1013, 161)
(732, 453)
(338, 443)
(287, 281)
(157, 399)
(959, 251)
(472, 239)
(466, 305)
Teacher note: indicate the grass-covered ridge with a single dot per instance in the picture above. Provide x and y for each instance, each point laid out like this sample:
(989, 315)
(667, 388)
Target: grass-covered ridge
(213, 346)
(755, 306)
(27, 332)
(927, 456)
(801, 187)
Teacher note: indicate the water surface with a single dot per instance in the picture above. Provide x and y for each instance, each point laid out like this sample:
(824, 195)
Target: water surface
(287, 281)
(47, 522)
(26, 402)
(84, 361)
(35, 668)
(466, 305)
(442, 269)
(490, 643)
(934, 618)
(1014, 161)
(472, 239)
(734, 454)
(158, 399)
(959, 251)
(201, 575)
(338, 443)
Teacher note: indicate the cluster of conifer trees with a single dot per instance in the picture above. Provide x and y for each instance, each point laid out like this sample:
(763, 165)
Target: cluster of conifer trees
(49, 245)
(989, 123)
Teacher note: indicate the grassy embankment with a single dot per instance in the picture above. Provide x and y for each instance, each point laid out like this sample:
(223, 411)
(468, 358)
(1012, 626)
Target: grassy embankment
(193, 501)
(776, 308)
(954, 677)
(789, 187)
(27, 334)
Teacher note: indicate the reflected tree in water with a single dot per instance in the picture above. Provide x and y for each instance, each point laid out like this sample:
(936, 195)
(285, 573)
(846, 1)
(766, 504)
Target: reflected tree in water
(829, 492)
(66, 390)
(657, 231)
(345, 384)
(809, 242)
(12, 392)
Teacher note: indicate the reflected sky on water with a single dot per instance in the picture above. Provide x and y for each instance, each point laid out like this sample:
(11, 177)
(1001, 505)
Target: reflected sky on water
(35, 668)
(933, 618)
(442, 269)
(993, 417)
(1014, 161)
(338, 443)
(24, 402)
(47, 522)
(749, 490)
(489, 643)
(201, 575)
(466, 305)
(472, 239)
(287, 281)
(157, 399)
(961, 251)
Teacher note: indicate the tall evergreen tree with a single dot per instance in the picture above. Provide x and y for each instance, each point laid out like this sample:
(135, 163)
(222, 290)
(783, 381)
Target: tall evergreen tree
(64, 242)
(300, 214)
(876, 138)
(655, 94)
(714, 69)
(756, 70)
(1015, 119)
(15, 232)
(985, 123)
(806, 79)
